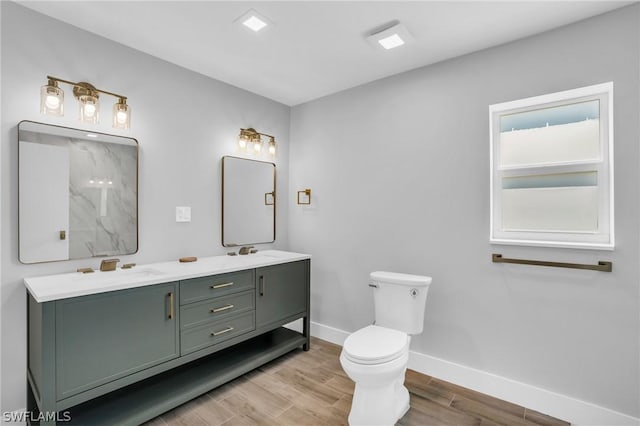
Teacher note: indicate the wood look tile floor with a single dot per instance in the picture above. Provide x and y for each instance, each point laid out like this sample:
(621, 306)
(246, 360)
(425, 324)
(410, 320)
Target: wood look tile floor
(310, 388)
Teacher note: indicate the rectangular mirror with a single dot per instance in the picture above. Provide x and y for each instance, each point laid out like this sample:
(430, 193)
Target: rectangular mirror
(78, 193)
(248, 202)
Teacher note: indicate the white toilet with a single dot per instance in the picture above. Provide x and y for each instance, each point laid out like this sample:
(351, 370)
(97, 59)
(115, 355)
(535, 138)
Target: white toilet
(375, 357)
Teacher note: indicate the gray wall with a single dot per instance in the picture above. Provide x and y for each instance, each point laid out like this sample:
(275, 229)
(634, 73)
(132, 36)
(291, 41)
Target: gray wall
(399, 170)
(400, 180)
(184, 122)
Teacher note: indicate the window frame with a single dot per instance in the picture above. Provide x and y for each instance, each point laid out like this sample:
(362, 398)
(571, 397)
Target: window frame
(604, 237)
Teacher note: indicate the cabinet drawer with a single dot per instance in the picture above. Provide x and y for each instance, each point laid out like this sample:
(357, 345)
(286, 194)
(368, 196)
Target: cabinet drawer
(197, 289)
(215, 332)
(216, 308)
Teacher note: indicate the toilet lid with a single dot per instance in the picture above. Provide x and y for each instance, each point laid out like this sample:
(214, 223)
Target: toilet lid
(375, 345)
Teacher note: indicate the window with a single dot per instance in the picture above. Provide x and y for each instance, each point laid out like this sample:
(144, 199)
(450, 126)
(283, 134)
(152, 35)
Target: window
(552, 169)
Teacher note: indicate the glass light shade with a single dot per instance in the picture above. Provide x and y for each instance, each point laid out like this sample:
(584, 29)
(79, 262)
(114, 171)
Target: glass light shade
(121, 115)
(257, 146)
(272, 146)
(51, 100)
(242, 142)
(89, 109)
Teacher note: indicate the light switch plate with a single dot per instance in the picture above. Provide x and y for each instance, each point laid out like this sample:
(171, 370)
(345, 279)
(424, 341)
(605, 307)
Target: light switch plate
(183, 214)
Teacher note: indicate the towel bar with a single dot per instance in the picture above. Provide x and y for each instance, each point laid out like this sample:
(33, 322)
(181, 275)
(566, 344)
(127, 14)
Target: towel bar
(602, 265)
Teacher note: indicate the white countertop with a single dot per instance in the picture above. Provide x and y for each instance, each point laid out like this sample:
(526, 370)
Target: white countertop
(62, 286)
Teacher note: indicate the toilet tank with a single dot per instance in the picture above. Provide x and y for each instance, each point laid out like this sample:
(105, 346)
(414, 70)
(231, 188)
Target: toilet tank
(399, 300)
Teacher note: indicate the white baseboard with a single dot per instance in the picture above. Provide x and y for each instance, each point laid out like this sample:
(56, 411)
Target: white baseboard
(551, 403)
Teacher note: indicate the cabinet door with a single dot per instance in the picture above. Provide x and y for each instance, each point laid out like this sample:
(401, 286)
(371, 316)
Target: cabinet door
(103, 337)
(282, 292)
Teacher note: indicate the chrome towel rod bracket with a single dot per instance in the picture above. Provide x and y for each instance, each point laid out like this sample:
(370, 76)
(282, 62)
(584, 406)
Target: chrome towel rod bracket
(604, 266)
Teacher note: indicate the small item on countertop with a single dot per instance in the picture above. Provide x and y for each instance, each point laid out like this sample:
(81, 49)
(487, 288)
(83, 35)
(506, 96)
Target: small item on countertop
(128, 265)
(232, 253)
(253, 251)
(85, 270)
(188, 259)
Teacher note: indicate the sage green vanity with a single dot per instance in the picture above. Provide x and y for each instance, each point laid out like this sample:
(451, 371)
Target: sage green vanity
(124, 348)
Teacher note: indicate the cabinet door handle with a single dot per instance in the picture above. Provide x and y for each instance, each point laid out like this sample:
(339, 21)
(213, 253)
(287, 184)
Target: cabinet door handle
(221, 308)
(226, 330)
(261, 285)
(222, 285)
(171, 303)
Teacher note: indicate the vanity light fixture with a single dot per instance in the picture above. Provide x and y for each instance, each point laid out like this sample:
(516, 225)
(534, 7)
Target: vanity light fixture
(391, 36)
(52, 102)
(250, 140)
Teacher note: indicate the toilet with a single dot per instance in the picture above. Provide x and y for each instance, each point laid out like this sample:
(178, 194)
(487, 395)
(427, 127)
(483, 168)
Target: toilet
(375, 357)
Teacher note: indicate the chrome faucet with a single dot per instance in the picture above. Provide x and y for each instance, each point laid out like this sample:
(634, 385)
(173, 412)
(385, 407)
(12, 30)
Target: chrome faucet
(109, 264)
(245, 250)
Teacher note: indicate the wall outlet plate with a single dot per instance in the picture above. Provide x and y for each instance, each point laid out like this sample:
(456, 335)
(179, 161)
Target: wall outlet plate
(183, 214)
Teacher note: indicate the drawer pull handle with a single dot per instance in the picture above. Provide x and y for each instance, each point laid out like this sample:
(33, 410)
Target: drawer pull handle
(171, 303)
(226, 330)
(222, 285)
(261, 285)
(222, 308)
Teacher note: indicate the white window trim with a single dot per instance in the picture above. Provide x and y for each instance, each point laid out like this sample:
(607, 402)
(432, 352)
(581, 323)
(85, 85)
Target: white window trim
(605, 170)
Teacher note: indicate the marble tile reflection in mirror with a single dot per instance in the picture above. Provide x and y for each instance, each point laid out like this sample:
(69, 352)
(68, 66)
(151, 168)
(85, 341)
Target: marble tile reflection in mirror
(248, 201)
(78, 193)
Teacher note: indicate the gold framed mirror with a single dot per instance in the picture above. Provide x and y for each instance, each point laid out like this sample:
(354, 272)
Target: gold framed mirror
(78, 193)
(248, 201)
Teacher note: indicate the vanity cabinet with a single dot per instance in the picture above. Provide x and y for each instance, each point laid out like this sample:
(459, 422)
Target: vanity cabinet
(126, 356)
(104, 337)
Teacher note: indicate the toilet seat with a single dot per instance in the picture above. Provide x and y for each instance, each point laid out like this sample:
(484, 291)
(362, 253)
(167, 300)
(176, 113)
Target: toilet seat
(375, 345)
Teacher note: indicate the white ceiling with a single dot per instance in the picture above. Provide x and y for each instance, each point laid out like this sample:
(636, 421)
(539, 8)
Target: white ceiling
(313, 48)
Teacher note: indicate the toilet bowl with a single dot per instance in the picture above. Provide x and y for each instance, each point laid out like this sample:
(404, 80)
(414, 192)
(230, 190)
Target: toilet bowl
(375, 357)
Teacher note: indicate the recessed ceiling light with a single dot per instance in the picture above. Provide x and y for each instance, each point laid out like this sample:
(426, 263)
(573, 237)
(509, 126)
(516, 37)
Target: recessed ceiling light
(253, 20)
(92, 135)
(391, 37)
(392, 41)
(254, 23)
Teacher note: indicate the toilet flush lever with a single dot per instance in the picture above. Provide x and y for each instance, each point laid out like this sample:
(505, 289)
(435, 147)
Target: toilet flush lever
(413, 292)
(373, 284)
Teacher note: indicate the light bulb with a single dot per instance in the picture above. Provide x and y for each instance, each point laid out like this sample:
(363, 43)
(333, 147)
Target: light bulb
(52, 102)
(257, 146)
(242, 143)
(89, 110)
(121, 117)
